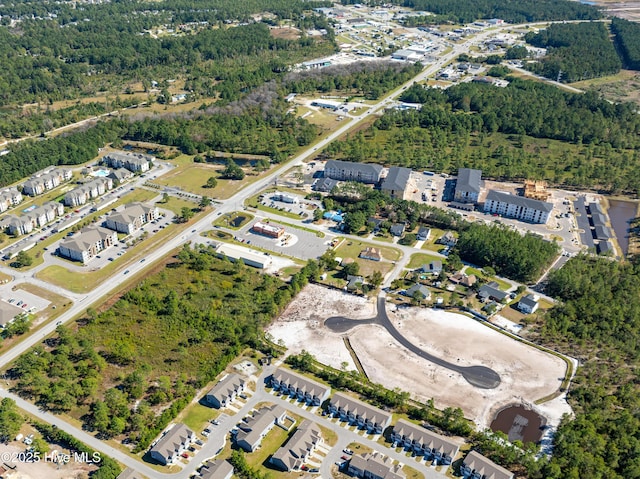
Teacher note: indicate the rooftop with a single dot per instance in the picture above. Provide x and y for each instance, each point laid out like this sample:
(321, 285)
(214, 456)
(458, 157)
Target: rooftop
(521, 201)
(469, 180)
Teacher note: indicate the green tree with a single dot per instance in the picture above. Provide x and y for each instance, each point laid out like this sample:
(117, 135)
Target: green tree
(205, 202)
(23, 259)
(375, 279)
(186, 214)
(350, 269)
(232, 171)
(10, 420)
(211, 182)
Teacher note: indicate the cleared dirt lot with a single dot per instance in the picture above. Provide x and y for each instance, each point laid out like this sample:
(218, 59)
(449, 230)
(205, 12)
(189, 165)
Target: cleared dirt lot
(526, 373)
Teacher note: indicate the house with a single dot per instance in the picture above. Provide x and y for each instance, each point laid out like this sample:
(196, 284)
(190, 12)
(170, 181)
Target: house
(133, 217)
(8, 198)
(375, 223)
(598, 219)
(448, 239)
(374, 420)
(424, 233)
(605, 247)
(134, 162)
(491, 291)
(463, 279)
(257, 426)
(468, 185)
(419, 290)
(173, 443)
(435, 267)
(349, 171)
(528, 304)
(423, 442)
(273, 231)
(476, 466)
(217, 469)
(396, 181)
(46, 180)
(325, 185)
(595, 208)
(119, 175)
(292, 455)
(294, 384)
(601, 233)
(519, 207)
(88, 244)
(370, 253)
(88, 191)
(397, 229)
(354, 282)
(374, 466)
(128, 473)
(226, 390)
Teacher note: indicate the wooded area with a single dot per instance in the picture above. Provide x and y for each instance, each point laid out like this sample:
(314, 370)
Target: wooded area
(627, 41)
(575, 52)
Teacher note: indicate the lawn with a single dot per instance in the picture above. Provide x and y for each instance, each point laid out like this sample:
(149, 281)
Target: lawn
(196, 416)
(503, 285)
(234, 220)
(176, 204)
(418, 259)
(270, 444)
(319, 234)
(430, 244)
(352, 248)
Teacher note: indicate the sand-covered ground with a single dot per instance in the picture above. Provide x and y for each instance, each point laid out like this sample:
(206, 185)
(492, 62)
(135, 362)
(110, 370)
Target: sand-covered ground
(527, 374)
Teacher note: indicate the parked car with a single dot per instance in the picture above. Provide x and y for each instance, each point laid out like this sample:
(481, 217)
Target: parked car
(185, 455)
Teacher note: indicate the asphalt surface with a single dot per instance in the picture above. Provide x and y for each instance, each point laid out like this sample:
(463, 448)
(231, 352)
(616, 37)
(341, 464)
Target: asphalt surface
(479, 376)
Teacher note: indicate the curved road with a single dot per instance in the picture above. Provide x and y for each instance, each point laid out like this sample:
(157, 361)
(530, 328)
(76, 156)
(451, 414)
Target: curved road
(478, 376)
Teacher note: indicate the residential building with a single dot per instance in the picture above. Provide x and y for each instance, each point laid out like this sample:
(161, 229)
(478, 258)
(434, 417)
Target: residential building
(528, 304)
(374, 420)
(396, 181)
(217, 469)
(397, 229)
(87, 244)
(435, 267)
(448, 239)
(354, 282)
(424, 442)
(257, 426)
(17, 225)
(595, 208)
(226, 390)
(476, 466)
(133, 217)
(173, 443)
(519, 207)
(605, 247)
(325, 185)
(601, 232)
(265, 229)
(294, 384)
(468, 185)
(88, 191)
(374, 466)
(36, 218)
(463, 279)
(491, 291)
(424, 233)
(129, 473)
(134, 162)
(292, 455)
(536, 190)
(120, 175)
(598, 219)
(45, 180)
(348, 171)
(8, 198)
(370, 253)
(419, 290)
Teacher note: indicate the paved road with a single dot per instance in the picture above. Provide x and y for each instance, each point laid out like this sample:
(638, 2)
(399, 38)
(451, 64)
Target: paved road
(478, 376)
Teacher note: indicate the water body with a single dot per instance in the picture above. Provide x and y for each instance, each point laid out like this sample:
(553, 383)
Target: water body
(621, 213)
(519, 423)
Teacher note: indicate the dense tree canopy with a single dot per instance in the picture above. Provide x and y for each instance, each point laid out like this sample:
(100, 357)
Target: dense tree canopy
(627, 40)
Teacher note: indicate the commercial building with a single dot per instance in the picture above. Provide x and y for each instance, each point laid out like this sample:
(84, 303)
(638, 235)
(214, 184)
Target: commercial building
(273, 231)
(174, 442)
(468, 185)
(87, 244)
(248, 256)
(518, 207)
(348, 171)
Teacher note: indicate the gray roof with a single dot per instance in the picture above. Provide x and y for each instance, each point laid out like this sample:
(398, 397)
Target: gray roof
(396, 179)
(420, 288)
(360, 408)
(129, 473)
(168, 444)
(491, 290)
(8, 312)
(226, 386)
(598, 219)
(519, 201)
(88, 236)
(528, 300)
(378, 465)
(253, 428)
(397, 229)
(217, 469)
(604, 247)
(602, 232)
(425, 437)
(366, 168)
(469, 180)
(130, 213)
(300, 382)
(303, 440)
(325, 184)
(487, 469)
(595, 208)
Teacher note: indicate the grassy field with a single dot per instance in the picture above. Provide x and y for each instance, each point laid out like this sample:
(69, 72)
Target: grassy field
(430, 244)
(503, 285)
(418, 259)
(624, 86)
(196, 416)
(234, 220)
(352, 248)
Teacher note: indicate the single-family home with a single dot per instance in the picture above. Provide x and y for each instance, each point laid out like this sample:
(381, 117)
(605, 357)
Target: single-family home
(134, 162)
(370, 253)
(396, 181)
(292, 455)
(133, 217)
(374, 466)
(8, 198)
(491, 291)
(397, 229)
(424, 442)
(226, 390)
(463, 279)
(420, 291)
(424, 233)
(365, 416)
(354, 282)
(447, 239)
(528, 304)
(88, 244)
(173, 443)
(434, 267)
(217, 469)
(129, 473)
(256, 427)
(294, 384)
(375, 223)
(468, 185)
(519, 207)
(349, 171)
(476, 466)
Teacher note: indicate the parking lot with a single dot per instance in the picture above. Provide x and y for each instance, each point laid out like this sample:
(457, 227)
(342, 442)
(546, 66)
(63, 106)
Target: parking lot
(26, 301)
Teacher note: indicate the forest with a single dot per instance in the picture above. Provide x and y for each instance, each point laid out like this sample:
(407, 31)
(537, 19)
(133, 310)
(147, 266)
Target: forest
(521, 258)
(627, 41)
(575, 52)
(163, 340)
(520, 11)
